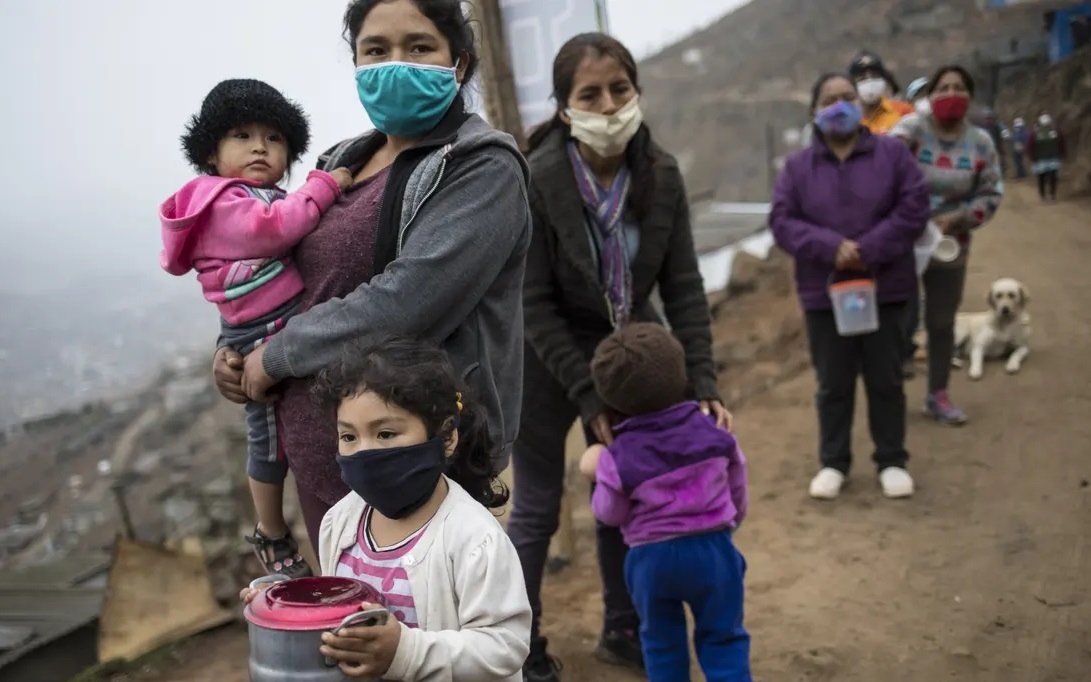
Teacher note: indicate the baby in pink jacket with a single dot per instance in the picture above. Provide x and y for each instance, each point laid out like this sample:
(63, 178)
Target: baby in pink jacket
(236, 228)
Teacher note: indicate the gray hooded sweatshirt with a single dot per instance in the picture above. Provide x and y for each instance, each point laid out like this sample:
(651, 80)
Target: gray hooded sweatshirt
(456, 246)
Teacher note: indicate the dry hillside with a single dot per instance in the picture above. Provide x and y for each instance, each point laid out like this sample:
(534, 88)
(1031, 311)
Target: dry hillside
(758, 63)
(1065, 91)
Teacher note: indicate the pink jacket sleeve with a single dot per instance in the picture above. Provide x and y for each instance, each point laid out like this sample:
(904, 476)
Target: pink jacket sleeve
(241, 226)
(609, 503)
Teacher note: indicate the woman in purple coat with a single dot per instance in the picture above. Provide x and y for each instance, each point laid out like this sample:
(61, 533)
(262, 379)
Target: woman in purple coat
(853, 203)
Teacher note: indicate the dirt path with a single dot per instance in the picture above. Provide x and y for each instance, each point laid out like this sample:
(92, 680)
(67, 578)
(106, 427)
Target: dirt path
(985, 575)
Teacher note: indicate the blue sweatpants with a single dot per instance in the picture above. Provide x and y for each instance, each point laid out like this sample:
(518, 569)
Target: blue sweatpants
(706, 572)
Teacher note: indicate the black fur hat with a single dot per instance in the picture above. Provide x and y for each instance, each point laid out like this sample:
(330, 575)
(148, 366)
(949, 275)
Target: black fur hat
(237, 102)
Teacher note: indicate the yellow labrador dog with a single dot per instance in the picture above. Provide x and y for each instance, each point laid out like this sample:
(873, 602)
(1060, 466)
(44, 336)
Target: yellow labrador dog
(1002, 332)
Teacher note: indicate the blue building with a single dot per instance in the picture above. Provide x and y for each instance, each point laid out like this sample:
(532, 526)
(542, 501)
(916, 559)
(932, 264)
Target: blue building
(1068, 22)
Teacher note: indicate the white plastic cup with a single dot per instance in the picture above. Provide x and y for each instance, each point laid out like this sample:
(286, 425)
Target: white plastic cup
(947, 250)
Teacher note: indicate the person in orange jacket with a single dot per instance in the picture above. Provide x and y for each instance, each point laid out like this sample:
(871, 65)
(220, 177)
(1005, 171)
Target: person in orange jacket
(876, 86)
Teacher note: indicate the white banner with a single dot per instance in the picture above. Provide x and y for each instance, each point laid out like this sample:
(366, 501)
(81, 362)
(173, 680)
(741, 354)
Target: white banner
(535, 30)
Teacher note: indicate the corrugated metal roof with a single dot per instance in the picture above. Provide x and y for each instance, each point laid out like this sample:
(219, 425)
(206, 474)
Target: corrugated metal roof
(68, 571)
(40, 604)
(720, 224)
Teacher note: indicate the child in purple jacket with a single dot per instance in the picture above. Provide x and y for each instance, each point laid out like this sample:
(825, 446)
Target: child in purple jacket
(676, 486)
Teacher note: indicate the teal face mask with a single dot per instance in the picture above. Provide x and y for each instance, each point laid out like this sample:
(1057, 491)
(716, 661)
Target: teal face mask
(406, 100)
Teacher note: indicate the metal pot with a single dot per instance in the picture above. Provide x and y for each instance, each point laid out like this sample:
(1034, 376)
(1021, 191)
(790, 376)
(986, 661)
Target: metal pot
(287, 620)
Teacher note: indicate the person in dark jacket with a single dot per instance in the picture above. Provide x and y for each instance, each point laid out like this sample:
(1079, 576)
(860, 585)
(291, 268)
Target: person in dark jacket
(1020, 138)
(611, 222)
(852, 205)
(1045, 149)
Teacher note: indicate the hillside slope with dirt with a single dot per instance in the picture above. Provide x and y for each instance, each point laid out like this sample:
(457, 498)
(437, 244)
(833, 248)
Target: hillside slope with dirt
(756, 66)
(1064, 90)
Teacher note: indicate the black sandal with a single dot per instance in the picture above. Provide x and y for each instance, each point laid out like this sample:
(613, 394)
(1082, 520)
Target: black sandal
(279, 555)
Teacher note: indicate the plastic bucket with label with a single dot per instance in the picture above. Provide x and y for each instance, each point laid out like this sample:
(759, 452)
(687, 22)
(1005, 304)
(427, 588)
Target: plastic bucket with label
(855, 310)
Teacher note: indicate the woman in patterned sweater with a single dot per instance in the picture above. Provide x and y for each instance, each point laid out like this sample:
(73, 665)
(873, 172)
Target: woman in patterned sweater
(962, 169)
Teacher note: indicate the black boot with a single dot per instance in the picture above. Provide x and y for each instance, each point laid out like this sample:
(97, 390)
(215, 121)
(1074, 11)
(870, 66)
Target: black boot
(540, 666)
(620, 647)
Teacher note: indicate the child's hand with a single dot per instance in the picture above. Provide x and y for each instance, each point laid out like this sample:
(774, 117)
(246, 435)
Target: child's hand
(343, 176)
(364, 651)
(247, 594)
(589, 463)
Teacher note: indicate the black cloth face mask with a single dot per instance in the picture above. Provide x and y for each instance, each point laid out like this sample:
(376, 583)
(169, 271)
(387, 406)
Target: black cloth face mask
(395, 481)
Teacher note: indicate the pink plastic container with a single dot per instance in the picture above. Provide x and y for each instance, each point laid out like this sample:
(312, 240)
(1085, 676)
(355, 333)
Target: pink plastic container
(287, 620)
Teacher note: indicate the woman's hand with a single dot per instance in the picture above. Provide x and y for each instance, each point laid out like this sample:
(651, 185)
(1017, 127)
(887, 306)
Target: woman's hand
(714, 408)
(255, 382)
(227, 371)
(365, 651)
(247, 594)
(848, 256)
(945, 221)
(600, 426)
(589, 462)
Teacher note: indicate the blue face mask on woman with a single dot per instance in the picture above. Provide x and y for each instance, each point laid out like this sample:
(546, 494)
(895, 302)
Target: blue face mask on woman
(403, 99)
(840, 119)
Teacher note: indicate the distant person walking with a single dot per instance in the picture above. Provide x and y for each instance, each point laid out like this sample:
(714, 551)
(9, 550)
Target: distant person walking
(1020, 142)
(611, 223)
(986, 119)
(849, 206)
(877, 86)
(962, 169)
(1045, 149)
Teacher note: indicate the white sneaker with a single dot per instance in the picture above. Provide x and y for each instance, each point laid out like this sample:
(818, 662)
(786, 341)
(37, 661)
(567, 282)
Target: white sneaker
(827, 484)
(896, 482)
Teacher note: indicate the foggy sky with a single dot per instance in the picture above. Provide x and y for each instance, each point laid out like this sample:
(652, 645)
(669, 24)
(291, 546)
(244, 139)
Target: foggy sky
(96, 95)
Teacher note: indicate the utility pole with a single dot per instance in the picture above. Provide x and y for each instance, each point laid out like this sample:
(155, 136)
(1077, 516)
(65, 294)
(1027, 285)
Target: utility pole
(497, 78)
(119, 489)
(502, 109)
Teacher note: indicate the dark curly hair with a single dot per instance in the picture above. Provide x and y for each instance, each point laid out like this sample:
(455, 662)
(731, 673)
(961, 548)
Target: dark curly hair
(419, 378)
(448, 16)
(640, 154)
(238, 102)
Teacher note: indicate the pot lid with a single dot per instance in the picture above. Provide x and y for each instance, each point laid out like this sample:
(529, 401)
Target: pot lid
(317, 603)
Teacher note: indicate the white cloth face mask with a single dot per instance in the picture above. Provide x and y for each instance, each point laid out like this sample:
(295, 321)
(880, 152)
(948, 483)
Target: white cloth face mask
(607, 136)
(871, 90)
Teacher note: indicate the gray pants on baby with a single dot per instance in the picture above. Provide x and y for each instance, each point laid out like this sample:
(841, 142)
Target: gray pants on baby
(266, 462)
